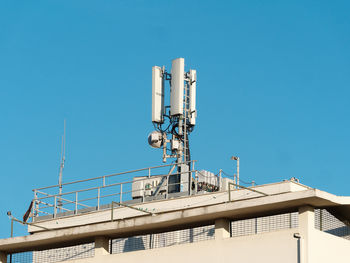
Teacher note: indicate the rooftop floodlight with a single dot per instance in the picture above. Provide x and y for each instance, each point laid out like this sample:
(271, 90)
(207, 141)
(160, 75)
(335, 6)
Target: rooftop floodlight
(236, 158)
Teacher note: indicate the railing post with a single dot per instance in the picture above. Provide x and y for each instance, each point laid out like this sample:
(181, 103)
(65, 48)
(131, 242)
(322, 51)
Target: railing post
(104, 181)
(35, 206)
(11, 236)
(76, 202)
(229, 191)
(191, 172)
(55, 208)
(167, 187)
(121, 193)
(149, 172)
(98, 198)
(196, 182)
(112, 207)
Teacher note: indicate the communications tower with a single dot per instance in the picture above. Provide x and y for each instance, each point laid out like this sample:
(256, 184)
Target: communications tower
(173, 123)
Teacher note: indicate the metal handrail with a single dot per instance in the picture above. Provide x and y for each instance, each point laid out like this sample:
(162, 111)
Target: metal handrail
(110, 185)
(38, 210)
(128, 206)
(92, 198)
(243, 187)
(79, 203)
(110, 175)
(55, 206)
(87, 199)
(50, 205)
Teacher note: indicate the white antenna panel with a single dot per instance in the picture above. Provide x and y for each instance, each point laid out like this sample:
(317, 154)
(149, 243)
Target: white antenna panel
(192, 106)
(157, 95)
(177, 86)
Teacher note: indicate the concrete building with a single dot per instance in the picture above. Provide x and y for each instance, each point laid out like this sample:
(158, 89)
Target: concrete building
(279, 222)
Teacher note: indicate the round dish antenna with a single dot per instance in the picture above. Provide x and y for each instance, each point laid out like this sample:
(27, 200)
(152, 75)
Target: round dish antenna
(155, 139)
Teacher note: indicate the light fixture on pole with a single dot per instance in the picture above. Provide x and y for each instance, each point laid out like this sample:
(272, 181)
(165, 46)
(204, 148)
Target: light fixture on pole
(237, 173)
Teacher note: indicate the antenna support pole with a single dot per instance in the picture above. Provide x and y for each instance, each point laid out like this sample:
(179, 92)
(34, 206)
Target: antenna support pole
(180, 116)
(63, 158)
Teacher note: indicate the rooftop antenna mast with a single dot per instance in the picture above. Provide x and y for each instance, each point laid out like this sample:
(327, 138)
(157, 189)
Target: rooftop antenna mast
(179, 119)
(63, 158)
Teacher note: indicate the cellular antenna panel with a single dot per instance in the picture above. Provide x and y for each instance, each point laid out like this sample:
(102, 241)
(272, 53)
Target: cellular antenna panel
(192, 106)
(157, 95)
(177, 86)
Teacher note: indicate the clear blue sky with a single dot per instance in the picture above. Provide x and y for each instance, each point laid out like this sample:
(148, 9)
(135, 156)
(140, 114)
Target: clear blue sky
(273, 88)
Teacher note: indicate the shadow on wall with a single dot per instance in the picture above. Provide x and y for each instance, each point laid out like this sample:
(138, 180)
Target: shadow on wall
(134, 242)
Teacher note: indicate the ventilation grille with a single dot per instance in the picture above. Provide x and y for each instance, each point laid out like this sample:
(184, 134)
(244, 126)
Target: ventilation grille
(263, 224)
(328, 223)
(143, 242)
(54, 255)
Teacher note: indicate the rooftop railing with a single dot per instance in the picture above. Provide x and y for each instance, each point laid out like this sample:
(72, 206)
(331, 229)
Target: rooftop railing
(99, 192)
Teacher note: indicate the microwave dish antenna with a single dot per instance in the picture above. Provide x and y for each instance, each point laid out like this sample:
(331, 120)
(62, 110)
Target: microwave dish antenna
(155, 139)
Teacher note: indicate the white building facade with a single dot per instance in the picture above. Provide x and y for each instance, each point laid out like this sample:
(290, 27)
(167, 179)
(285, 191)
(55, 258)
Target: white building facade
(290, 222)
